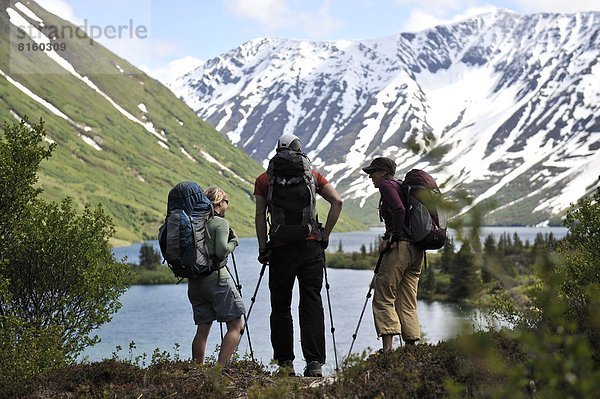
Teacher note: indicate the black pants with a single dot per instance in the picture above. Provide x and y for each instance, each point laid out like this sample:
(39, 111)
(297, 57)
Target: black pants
(305, 261)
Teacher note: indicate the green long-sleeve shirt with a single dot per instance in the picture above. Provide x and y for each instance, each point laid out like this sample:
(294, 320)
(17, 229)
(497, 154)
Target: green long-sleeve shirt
(217, 238)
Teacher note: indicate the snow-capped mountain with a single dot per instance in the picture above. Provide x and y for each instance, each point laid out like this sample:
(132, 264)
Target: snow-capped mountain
(503, 105)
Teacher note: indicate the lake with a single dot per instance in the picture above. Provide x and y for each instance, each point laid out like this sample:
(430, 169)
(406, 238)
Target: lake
(160, 316)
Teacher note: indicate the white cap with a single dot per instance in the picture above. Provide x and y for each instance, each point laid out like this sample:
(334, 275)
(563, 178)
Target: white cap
(286, 141)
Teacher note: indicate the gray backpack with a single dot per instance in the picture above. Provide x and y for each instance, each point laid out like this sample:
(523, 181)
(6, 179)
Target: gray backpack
(291, 197)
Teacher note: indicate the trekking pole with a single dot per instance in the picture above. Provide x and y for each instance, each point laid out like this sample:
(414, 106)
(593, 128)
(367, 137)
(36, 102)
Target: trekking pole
(366, 300)
(337, 368)
(239, 288)
(253, 299)
(237, 277)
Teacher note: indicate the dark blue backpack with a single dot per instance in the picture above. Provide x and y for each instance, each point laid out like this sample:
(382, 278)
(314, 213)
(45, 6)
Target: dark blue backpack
(182, 237)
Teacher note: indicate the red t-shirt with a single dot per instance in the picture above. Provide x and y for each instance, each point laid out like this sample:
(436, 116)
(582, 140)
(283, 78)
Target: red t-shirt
(261, 188)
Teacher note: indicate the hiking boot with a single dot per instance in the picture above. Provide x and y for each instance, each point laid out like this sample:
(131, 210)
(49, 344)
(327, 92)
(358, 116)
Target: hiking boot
(286, 368)
(313, 369)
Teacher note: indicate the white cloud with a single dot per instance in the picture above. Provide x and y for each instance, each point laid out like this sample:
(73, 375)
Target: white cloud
(271, 14)
(165, 48)
(174, 69)
(426, 14)
(419, 20)
(433, 4)
(135, 50)
(566, 6)
(321, 23)
(276, 15)
(62, 9)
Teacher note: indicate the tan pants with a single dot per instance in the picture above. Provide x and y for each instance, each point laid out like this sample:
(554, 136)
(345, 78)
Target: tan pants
(395, 297)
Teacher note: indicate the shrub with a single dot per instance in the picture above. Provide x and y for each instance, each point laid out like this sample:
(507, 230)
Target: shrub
(578, 273)
(58, 277)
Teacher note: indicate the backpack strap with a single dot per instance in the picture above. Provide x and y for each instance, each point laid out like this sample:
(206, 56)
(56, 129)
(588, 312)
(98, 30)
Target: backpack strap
(404, 193)
(312, 186)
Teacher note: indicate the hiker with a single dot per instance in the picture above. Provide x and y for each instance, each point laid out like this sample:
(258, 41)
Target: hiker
(213, 297)
(395, 284)
(294, 249)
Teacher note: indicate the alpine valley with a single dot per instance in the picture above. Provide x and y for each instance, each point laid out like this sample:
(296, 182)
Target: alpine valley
(504, 106)
(123, 139)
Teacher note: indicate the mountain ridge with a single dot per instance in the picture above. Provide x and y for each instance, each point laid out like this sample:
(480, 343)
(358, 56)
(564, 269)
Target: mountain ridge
(514, 94)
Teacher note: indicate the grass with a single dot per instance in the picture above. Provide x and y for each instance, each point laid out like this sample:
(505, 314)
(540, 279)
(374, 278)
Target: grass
(470, 366)
(157, 275)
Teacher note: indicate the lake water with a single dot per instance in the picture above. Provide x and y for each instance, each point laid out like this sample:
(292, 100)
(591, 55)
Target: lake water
(160, 316)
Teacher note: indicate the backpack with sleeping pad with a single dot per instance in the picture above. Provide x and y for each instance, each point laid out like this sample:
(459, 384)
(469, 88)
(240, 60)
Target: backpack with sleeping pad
(182, 237)
(426, 220)
(291, 197)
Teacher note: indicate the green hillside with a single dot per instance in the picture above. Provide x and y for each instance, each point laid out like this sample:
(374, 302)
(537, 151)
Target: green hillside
(128, 168)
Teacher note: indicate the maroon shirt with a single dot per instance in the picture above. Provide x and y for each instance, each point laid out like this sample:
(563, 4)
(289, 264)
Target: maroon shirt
(391, 209)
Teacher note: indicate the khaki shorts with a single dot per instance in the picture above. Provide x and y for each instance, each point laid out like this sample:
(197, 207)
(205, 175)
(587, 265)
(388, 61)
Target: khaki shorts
(214, 298)
(395, 297)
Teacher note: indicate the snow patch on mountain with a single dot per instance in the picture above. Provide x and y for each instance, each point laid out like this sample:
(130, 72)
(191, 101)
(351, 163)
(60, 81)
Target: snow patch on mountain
(38, 37)
(486, 104)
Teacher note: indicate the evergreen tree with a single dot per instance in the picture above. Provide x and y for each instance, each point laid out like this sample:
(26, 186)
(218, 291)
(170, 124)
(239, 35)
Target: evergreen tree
(150, 258)
(517, 243)
(509, 244)
(447, 256)
(490, 259)
(539, 245)
(501, 247)
(489, 245)
(340, 249)
(363, 250)
(463, 279)
(427, 283)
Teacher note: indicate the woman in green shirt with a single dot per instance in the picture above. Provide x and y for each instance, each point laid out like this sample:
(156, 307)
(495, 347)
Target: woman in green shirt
(212, 296)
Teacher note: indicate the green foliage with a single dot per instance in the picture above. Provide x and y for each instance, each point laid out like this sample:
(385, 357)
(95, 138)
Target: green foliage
(427, 283)
(558, 321)
(353, 260)
(58, 277)
(447, 255)
(465, 281)
(20, 156)
(149, 257)
(578, 274)
(62, 272)
(157, 275)
(25, 350)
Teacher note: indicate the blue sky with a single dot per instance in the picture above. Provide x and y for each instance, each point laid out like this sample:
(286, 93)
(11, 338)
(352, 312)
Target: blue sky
(178, 34)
